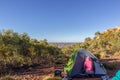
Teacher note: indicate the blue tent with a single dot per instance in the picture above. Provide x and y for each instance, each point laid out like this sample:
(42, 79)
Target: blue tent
(74, 66)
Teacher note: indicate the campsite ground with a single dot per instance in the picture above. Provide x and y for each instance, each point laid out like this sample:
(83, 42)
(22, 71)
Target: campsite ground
(41, 72)
(114, 60)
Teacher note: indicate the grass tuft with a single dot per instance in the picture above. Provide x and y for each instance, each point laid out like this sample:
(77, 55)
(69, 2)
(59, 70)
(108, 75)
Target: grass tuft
(7, 78)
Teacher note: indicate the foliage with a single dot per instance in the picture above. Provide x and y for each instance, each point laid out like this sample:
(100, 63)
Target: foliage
(17, 50)
(105, 43)
(97, 33)
(54, 78)
(102, 55)
(116, 54)
(97, 55)
(7, 78)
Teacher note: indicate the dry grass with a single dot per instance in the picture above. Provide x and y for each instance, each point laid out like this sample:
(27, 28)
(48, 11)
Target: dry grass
(102, 55)
(7, 78)
(116, 54)
(54, 78)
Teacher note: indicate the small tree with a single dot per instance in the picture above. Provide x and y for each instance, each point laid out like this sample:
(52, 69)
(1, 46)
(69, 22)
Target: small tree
(97, 33)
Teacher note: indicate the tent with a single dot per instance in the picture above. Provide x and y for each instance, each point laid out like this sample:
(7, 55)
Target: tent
(74, 66)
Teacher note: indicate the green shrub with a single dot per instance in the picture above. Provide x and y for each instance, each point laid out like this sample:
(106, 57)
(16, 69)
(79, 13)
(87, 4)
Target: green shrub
(54, 78)
(7, 78)
(59, 61)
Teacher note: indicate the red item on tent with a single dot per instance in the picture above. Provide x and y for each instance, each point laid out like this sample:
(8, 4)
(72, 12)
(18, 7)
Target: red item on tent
(88, 65)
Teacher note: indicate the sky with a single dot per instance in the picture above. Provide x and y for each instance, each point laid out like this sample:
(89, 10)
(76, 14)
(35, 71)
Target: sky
(59, 20)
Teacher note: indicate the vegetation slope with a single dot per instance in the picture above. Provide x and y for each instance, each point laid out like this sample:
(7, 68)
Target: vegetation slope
(19, 50)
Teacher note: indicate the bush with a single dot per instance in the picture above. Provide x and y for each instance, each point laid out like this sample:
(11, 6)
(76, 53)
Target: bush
(110, 66)
(116, 54)
(54, 78)
(102, 55)
(7, 78)
(59, 61)
(97, 55)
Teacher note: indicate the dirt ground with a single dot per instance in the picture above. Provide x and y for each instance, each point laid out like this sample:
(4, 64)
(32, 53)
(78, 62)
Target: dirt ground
(115, 60)
(40, 72)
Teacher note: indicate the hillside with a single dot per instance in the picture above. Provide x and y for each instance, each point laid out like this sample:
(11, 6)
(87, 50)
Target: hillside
(107, 42)
(23, 57)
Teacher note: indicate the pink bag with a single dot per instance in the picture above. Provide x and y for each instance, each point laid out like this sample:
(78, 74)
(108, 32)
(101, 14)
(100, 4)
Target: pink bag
(88, 65)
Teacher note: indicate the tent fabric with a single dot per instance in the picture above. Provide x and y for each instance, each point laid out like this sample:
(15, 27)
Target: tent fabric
(75, 64)
(69, 65)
